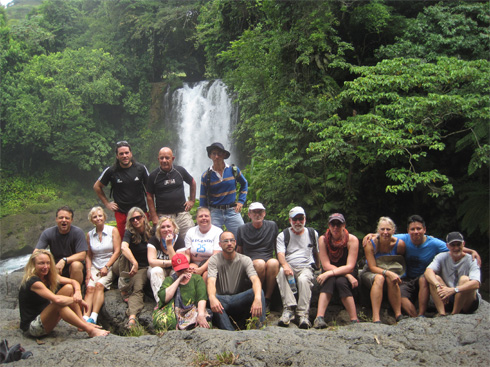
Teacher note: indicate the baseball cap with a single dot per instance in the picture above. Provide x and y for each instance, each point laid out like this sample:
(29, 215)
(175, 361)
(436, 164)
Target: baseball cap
(256, 206)
(454, 237)
(297, 210)
(179, 262)
(336, 216)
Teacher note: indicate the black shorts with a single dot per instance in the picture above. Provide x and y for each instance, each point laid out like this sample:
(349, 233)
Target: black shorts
(343, 286)
(410, 288)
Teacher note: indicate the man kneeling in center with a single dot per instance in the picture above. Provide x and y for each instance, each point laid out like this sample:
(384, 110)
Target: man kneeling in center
(226, 284)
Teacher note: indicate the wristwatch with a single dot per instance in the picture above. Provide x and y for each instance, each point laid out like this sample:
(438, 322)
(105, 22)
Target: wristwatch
(456, 290)
(65, 260)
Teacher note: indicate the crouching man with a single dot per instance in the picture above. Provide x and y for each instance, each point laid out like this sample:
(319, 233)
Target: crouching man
(226, 284)
(454, 278)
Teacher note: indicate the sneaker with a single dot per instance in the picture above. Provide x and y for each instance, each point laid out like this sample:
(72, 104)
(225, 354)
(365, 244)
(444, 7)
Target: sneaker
(286, 318)
(319, 323)
(91, 320)
(304, 322)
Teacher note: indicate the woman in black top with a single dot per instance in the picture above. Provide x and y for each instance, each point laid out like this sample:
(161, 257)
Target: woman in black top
(133, 264)
(41, 308)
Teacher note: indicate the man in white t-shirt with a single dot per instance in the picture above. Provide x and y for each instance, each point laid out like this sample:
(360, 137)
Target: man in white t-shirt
(454, 278)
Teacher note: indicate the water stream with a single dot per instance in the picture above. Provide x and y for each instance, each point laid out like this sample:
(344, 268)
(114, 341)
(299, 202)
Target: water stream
(202, 113)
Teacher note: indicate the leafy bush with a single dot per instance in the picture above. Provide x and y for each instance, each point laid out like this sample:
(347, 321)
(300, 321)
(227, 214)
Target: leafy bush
(17, 192)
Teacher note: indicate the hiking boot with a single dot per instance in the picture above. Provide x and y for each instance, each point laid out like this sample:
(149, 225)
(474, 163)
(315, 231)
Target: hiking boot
(319, 323)
(304, 322)
(286, 318)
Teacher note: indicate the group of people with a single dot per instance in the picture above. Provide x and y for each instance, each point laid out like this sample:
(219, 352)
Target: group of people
(202, 276)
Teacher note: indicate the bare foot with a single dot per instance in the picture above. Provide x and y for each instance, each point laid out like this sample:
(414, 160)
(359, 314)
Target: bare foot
(97, 332)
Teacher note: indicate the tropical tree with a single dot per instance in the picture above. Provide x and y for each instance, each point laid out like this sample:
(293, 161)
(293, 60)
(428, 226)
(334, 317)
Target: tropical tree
(60, 105)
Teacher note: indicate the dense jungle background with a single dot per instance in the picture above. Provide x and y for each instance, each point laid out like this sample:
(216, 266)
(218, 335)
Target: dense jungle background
(369, 108)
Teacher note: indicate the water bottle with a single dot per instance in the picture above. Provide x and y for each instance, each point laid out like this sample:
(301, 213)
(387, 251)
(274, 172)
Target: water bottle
(292, 284)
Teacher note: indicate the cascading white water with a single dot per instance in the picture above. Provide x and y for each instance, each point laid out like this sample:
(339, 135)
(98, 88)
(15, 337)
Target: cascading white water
(202, 114)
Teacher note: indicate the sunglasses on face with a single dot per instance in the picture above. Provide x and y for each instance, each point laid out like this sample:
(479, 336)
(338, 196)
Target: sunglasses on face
(336, 224)
(138, 218)
(298, 219)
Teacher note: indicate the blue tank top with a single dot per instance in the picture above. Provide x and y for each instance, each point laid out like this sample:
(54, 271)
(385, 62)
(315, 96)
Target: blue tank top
(392, 252)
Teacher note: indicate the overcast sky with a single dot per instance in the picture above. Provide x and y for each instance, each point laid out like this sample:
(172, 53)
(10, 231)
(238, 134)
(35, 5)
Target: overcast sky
(4, 2)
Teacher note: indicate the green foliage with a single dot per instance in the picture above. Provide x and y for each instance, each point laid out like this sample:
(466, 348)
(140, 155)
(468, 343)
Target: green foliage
(460, 29)
(136, 331)
(224, 358)
(403, 110)
(54, 105)
(17, 193)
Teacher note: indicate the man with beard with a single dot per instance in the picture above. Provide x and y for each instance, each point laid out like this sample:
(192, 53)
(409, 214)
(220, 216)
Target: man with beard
(67, 243)
(165, 192)
(227, 285)
(257, 240)
(297, 257)
(128, 180)
(454, 278)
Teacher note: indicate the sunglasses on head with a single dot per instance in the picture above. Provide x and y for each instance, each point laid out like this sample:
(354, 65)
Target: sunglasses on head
(138, 218)
(229, 241)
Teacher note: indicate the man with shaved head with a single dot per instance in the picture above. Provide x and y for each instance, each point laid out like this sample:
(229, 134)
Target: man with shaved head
(166, 195)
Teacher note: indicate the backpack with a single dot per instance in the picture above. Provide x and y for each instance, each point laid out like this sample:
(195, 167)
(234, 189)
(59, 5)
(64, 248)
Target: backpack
(311, 232)
(13, 354)
(234, 171)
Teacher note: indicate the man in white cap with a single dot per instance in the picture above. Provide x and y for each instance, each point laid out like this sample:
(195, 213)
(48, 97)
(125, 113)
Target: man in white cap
(454, 278)
(297, 252)
(257, 240)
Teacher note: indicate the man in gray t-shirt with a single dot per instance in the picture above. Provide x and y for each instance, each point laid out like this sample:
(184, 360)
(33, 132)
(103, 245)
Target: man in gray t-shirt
(257, 240)
(227, 275)
(67, 243)
(296, 259)
(454, 278)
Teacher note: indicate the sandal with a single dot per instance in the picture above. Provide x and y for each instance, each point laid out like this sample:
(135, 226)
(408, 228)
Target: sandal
(131, 323)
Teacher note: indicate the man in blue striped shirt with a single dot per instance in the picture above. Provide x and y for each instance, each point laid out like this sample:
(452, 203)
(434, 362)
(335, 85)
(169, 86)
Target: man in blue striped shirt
(219, 184)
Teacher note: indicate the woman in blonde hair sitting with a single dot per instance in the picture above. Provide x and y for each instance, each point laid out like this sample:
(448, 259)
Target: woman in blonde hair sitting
(161, 248)
(385, 267)
(41, 308)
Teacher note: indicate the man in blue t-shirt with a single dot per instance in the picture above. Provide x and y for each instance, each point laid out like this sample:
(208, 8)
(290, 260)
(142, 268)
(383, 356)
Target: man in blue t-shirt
(420, 249)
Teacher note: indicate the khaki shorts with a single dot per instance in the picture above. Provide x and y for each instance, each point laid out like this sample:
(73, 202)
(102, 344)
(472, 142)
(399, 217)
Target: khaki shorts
(36, 327)
(106, 281)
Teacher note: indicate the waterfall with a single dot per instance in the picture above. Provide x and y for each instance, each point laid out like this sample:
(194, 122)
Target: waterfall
(202, 114)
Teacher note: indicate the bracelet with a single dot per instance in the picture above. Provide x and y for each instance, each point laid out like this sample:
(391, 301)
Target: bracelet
(384, 272)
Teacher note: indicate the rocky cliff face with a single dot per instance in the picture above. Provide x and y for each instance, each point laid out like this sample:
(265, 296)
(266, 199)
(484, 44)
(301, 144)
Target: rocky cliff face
(445, 341)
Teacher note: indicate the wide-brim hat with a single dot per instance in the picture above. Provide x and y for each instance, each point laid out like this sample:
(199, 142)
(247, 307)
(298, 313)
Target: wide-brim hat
(217, 146)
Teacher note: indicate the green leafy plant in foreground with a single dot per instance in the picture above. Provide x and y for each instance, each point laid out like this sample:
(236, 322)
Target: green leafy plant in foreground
(225, 358)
